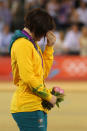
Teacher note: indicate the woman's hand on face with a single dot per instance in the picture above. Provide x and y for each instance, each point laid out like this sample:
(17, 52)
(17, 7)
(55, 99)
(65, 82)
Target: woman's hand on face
(51, 38)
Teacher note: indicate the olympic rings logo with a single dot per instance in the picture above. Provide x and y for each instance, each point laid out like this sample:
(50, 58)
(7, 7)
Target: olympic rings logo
(75, 67)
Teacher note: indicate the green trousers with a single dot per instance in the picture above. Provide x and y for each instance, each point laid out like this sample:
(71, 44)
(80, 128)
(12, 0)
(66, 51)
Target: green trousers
(31, 121)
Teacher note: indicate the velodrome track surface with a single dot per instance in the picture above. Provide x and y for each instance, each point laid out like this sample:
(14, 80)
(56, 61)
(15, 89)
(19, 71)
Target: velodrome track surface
(72, 115)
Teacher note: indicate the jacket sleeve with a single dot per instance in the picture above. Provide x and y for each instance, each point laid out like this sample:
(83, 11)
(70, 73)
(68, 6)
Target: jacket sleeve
(48, 60)
(23, 53)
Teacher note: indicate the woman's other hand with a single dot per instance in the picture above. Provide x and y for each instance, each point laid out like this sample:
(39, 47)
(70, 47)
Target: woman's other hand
(53, 100)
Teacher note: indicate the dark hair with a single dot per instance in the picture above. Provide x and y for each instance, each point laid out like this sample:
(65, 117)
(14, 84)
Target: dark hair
(39, 22)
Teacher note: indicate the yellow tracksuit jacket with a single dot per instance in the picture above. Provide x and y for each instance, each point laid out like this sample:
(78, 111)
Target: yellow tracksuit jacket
(29, 76)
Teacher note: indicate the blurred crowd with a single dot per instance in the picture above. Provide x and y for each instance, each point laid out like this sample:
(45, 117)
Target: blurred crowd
(70, 17)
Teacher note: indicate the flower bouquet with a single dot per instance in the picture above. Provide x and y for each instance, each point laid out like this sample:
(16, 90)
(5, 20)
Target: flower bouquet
(59, 93)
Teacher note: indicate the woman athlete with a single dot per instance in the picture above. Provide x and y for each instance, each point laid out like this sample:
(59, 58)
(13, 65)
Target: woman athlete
(30, 67)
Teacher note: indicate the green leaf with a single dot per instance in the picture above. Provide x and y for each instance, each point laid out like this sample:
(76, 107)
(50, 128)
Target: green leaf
(57, 104)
